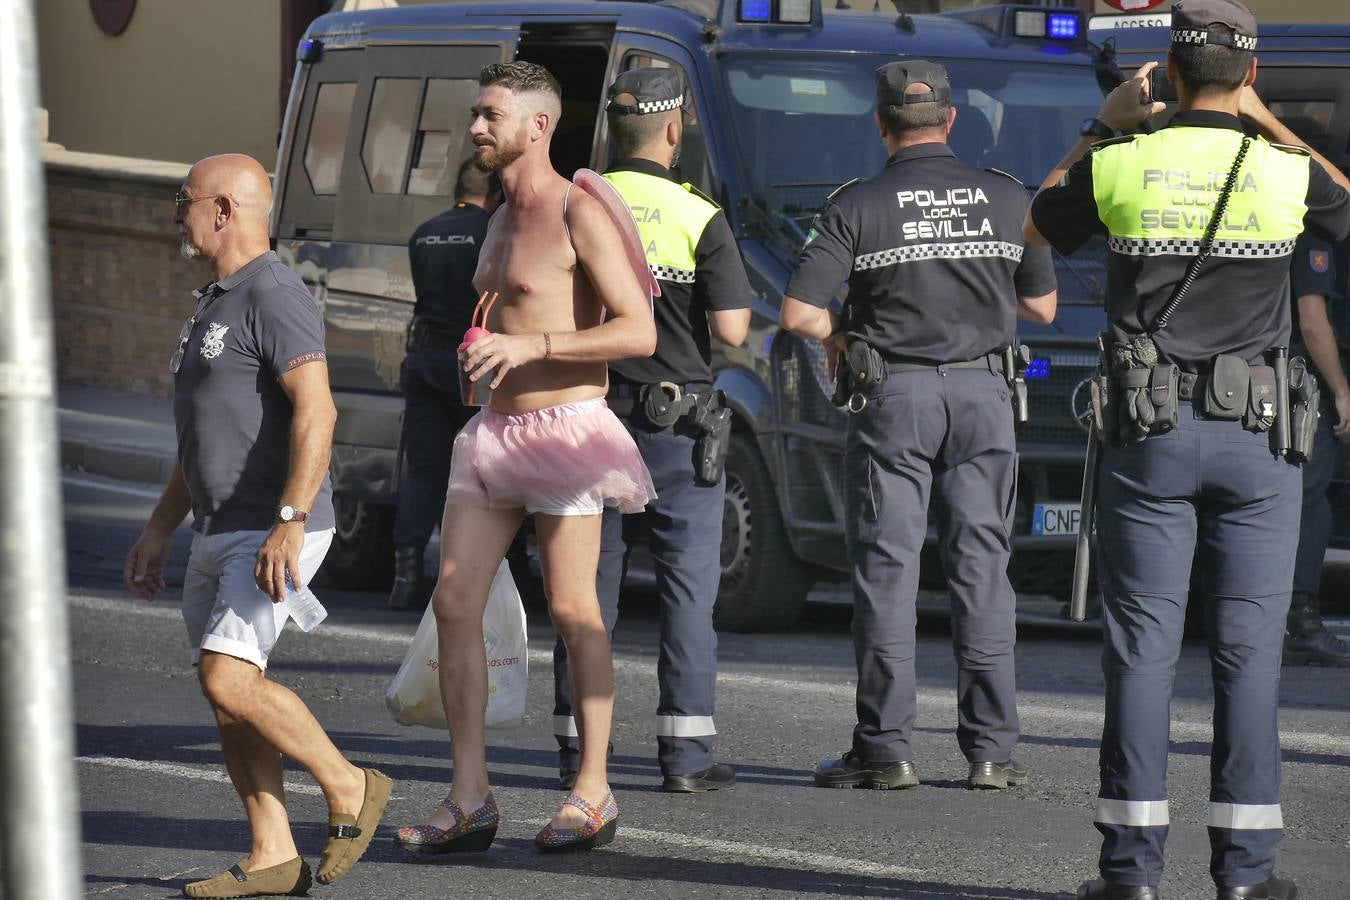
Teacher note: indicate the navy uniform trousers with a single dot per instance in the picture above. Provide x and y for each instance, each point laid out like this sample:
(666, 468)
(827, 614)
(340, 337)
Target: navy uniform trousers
(949, 435)
(1212, 487)
(684, 525)
(1314, 532)
(432, 416)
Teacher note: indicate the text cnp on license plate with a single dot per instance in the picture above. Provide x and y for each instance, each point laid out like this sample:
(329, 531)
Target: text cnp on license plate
(1055, 518)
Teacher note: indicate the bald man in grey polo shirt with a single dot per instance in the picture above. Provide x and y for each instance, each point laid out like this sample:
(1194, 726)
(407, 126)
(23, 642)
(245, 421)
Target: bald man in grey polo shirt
(255, 419)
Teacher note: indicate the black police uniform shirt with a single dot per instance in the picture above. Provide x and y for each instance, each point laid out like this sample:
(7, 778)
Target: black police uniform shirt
(1236, 304)
(683, 341)
(933, 254)
(232, 417)
(443, 253)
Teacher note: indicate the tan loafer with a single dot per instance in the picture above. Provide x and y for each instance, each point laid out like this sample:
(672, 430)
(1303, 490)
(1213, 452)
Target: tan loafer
(348, 836)
(290, 878)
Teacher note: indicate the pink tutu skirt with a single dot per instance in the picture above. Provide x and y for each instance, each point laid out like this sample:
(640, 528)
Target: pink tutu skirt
(568, 460)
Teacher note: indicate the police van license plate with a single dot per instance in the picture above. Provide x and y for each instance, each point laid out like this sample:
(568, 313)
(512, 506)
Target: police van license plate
(1055, 518)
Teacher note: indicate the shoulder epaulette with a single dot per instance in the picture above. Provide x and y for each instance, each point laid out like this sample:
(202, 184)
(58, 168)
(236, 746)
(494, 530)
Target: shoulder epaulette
(1111, 142)
(1291, 148)
(837, 191)
(699, 194)
(1006, 175)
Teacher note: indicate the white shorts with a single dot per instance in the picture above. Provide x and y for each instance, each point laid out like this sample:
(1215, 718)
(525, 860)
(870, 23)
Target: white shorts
(223, 608)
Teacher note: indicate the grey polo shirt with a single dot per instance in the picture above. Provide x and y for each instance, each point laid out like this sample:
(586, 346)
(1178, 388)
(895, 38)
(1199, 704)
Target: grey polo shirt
(232, 416)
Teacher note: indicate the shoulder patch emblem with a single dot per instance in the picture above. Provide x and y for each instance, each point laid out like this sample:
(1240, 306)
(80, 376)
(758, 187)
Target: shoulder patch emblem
(1320, 260)
(1111, 142)
(213, 342)
(1292, 148)
(699, 194)
(837, 191)
(1006, 175)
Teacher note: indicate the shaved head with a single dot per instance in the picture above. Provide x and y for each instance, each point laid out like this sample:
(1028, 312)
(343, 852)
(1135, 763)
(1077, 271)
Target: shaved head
(223, 210)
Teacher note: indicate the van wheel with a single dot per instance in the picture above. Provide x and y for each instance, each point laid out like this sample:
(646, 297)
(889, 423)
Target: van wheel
(763, 583)
(361, 556)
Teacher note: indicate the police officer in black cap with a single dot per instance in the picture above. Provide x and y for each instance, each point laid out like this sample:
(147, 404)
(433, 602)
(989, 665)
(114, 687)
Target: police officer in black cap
(1198, 432)
(669, 406)
(443, 253)
(1313, 277)
(938, 274)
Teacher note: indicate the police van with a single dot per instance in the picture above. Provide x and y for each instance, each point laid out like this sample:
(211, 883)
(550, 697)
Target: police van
(780, 115)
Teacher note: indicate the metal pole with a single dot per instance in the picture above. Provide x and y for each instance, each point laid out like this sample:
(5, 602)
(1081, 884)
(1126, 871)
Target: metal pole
(39, 828)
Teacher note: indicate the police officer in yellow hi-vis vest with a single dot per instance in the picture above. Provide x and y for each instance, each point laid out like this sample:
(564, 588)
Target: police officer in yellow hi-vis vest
(679, 423)
(1203, 422)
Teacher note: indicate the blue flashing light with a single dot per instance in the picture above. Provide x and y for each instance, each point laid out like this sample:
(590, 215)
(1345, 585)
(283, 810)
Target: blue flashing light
(1039, 370)
(1062, 26)
(756, 10)
(309, 50)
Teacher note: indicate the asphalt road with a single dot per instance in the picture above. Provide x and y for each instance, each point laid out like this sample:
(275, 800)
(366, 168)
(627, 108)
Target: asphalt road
(157, 809)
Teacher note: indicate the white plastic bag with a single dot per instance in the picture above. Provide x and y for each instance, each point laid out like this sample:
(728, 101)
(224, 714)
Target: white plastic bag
(414, 696)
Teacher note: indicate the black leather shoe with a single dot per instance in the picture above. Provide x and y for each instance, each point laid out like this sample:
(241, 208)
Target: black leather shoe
(567, 779)
(852, 771)
(717, 777)
(1273, 888)
(995, 776)
(409, 591)
(1108, 890)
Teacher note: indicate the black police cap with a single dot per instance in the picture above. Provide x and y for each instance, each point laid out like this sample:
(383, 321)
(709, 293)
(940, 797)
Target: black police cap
(1192, 22)
(652, 90)
(894, 79)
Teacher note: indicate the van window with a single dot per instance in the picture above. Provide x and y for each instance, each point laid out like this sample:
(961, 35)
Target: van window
(692, 164)
(328, 136)
(442, 133)
(384, 151)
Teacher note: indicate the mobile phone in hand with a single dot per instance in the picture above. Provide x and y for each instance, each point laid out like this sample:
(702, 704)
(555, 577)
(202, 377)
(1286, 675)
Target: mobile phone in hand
(1160, 87)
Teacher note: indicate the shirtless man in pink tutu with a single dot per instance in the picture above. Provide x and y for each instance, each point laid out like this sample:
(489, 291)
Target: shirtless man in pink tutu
(546, 445)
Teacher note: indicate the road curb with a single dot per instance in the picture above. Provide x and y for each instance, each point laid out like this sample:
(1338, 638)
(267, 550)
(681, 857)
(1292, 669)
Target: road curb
(123, 463)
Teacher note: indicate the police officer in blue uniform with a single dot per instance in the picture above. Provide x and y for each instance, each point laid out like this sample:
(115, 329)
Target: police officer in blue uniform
(443, 253)
(669, 406)
(1195, 429)
(937, 273)
(1313, 277)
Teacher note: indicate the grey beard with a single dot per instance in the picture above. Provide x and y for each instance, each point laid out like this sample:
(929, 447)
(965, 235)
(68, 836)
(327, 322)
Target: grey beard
(186, 250)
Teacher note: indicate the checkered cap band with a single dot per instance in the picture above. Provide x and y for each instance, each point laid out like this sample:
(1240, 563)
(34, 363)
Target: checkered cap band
(670, 273)
(1190, 247)
(1195, 36)
(920, 252)
(647, 107)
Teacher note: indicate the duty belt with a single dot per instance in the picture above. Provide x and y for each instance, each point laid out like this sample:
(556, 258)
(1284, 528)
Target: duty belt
(990, 363)
(423, 333)
(662, 403)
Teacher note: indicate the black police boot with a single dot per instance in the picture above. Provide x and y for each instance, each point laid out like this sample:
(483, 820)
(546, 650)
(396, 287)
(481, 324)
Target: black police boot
(1307, 642)
(1273, 888)
(717, 777)
(408, 592)
(1108, 890)
(567, 779)
(995, 776)
(852, 771)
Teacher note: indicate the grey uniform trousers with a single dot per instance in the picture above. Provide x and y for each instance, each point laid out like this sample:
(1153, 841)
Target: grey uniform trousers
(684, 528)
(1214, 487)
(1314, 532)
(948, 434)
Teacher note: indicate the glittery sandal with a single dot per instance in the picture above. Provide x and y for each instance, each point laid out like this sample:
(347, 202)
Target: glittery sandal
(598, 829)
(291, 878)
(470, 834)
(349, 836)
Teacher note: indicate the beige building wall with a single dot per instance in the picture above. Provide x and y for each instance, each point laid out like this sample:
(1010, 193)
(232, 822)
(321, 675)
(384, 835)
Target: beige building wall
(187, 78)
(1335, 11)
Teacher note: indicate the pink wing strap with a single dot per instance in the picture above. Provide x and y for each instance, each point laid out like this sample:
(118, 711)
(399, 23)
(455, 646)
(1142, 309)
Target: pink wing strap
(595, 185)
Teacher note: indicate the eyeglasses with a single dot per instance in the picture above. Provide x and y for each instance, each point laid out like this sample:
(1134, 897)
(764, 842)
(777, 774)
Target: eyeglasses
(182, 201)
(185, 333)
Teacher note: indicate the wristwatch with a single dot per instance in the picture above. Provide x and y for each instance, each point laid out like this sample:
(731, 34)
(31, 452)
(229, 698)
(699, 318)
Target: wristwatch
(291, 514)
(1094, 127)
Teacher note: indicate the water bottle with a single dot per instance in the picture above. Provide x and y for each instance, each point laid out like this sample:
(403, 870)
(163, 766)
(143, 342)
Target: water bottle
(304, 607)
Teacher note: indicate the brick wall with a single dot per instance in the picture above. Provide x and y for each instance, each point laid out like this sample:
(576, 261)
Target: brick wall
(120, 291)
